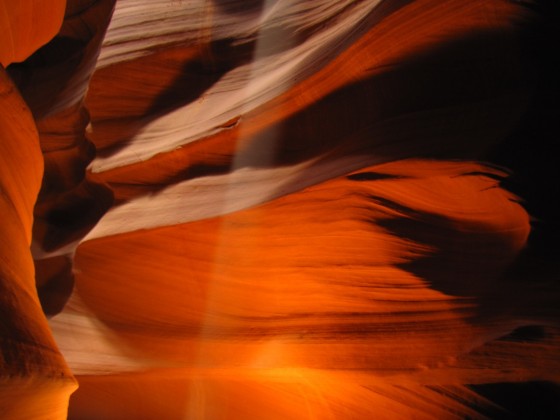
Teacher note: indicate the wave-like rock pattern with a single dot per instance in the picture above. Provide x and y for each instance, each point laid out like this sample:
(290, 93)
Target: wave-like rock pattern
(275, 210)
(35, 380)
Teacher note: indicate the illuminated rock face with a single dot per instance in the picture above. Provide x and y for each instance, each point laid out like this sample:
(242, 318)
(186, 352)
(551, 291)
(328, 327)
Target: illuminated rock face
(35, 380)
(269, 210)
(24, 27)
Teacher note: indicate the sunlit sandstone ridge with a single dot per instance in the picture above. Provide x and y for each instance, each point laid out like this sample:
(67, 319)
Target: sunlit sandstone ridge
(270, 210)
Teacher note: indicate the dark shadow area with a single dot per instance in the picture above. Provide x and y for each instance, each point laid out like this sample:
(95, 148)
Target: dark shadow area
(46, 73)
(436, 104)
(55, 283)
(526, 333)
(529, 150)
(463, 261)
(71, 215)
(522, 401)
(371, 176)
(235, 7)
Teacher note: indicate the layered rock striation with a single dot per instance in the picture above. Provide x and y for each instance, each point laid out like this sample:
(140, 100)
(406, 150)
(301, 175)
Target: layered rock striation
(276, 209)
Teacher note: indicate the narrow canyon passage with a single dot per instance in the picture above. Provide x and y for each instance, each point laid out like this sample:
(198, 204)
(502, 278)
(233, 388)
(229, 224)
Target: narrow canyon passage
(279, 209)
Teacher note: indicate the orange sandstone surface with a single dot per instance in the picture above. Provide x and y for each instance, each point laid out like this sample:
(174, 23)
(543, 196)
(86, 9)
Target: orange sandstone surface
(277, 210)
(35, 381)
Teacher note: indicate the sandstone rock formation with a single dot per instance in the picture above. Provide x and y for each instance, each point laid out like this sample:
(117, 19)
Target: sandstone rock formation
(277, 209)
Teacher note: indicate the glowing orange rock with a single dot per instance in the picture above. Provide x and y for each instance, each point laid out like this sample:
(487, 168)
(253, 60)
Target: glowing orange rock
(302, 227)
(35, 381)
(26, 25)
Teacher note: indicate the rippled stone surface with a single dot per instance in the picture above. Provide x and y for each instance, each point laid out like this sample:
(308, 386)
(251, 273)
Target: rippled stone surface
(278, 209)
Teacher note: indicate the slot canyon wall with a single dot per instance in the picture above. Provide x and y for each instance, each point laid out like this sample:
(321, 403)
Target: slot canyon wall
(279, 209)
